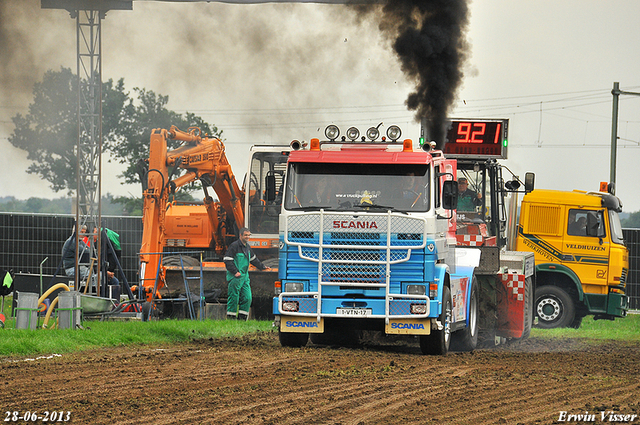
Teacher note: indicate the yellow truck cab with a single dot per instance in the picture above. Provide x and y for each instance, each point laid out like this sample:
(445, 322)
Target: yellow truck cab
(581, 260)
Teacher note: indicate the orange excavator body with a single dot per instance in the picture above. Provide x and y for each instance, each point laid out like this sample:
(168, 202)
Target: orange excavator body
(169, 224)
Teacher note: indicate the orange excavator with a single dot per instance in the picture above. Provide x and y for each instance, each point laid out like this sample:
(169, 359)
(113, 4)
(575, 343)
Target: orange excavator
(171, 227)
(205, 160)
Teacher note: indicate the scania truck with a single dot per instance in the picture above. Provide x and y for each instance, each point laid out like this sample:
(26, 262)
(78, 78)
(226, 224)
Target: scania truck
(581, 260)
(367, 243)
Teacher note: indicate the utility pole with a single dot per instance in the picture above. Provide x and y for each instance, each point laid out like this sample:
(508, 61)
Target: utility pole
(616, 92)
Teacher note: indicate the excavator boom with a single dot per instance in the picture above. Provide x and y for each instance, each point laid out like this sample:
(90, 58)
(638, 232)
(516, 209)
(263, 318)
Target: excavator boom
(204, 160)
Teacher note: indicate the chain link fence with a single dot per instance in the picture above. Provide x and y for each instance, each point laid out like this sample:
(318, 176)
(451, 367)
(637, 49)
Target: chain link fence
(632, 239)
(32, 243)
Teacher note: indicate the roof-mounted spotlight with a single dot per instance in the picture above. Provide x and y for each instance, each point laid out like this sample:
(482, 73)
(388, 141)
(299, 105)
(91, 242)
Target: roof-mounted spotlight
(394, 133)
(353, 133)
(512, 185)
(373, 133)
(332, 132)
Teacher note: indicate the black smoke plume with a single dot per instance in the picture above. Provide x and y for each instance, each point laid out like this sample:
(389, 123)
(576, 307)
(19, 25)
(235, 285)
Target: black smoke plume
(429, 38)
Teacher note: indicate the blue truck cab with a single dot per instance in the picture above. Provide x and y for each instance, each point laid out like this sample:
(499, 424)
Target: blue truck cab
(367, 243)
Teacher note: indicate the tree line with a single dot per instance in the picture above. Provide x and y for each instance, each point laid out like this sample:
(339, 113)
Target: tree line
(65, 205)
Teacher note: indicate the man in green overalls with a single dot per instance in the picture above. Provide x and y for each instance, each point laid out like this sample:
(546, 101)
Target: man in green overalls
(236, 260)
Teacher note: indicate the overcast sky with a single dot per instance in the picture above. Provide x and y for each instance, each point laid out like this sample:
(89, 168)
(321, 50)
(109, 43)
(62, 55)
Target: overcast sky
(271, 73)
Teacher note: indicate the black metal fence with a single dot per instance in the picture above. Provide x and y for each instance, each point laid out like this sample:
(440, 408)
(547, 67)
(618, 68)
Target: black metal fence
(632, 239)
(32, 243)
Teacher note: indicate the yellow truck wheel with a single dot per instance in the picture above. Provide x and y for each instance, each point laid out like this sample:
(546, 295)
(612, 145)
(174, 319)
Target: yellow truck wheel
(554, 307)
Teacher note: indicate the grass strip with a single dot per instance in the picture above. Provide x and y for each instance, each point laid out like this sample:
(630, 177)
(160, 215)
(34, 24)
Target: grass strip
(96, 334)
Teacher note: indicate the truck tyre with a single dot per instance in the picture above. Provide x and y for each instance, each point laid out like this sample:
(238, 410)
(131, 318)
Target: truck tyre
(577, 321)
(554, 307)
(467, 339)
(437, 343)
(528, 308)
(293, 339)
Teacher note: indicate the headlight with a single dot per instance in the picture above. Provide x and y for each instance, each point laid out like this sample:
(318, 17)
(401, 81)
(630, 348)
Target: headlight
(332, 132)
(394, 133)
(353, 133)
(373, 133)
(290, 306)
(419, 309)
(416, 289)
(293, 287)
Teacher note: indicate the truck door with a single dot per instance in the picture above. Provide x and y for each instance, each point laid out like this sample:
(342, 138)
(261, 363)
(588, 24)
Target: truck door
(587, 256)
(266, 172)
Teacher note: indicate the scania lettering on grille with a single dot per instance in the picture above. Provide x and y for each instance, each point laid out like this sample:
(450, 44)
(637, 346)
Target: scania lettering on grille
(352, 224)
(407, 326)
(297, 324)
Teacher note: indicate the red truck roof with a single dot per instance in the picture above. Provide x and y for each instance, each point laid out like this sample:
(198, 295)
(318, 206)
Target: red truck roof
(361, 154)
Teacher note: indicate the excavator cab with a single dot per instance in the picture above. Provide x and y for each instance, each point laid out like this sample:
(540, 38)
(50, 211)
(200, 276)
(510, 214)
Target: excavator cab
(264, 192)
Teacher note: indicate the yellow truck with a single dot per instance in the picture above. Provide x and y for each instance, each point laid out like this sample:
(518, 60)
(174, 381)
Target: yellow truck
(580, 256)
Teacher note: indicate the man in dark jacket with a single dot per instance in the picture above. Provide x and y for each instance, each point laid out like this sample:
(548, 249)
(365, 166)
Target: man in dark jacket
(236, 260)
(69, 255)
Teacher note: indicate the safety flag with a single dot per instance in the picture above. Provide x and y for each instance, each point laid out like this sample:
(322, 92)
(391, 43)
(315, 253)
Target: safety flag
(7, 281)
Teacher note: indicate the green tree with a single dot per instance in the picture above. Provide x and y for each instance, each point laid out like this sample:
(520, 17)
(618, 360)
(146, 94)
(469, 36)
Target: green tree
(129, 142)
(632, 222)
(49, 131)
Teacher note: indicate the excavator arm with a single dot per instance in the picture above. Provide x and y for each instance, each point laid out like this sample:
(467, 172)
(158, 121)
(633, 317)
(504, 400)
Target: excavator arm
(204, 159)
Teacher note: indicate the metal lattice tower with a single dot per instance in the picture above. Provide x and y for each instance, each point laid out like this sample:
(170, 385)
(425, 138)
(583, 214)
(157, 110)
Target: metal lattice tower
(88, 15)
(89, 146)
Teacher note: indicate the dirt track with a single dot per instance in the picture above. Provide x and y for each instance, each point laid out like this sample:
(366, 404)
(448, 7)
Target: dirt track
(252, 380)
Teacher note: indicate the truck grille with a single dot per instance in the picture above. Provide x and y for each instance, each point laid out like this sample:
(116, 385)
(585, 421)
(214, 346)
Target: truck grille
(356, 249)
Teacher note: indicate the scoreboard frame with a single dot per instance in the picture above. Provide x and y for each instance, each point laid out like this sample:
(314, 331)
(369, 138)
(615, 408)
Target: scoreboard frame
(474, 137)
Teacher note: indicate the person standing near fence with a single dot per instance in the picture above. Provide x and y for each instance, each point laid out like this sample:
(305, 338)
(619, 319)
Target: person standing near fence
(237, 259)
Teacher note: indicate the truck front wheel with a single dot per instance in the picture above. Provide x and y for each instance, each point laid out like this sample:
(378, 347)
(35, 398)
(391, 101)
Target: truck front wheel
(467, 338)
(438, 341)
(293, 339)
(554, 307)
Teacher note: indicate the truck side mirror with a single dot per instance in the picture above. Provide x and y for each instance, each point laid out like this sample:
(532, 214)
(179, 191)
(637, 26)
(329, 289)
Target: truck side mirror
(529, 182)
(592, 224)
(270, 187)
(450, 195)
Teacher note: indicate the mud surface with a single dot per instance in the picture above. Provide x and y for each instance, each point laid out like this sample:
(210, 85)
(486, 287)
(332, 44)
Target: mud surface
(252, 380)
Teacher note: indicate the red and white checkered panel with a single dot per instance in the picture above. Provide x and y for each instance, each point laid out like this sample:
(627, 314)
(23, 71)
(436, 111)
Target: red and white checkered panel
(511, 305)
(469, 240)
(515, 284)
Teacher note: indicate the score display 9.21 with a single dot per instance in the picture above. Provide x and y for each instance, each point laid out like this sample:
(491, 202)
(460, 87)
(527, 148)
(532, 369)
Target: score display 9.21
(476, 138)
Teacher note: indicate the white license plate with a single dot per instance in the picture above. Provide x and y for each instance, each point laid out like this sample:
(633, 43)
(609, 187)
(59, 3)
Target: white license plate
(354, 311)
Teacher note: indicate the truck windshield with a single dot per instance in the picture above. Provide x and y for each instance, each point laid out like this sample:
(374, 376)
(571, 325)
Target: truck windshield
(616, 227)
(347, 186)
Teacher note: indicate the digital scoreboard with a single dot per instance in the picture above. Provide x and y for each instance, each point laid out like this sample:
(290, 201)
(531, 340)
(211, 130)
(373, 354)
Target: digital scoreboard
(475, 138)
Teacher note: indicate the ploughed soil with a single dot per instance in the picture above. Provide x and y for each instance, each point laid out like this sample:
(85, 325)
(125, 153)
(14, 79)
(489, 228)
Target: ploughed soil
(253, 380)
